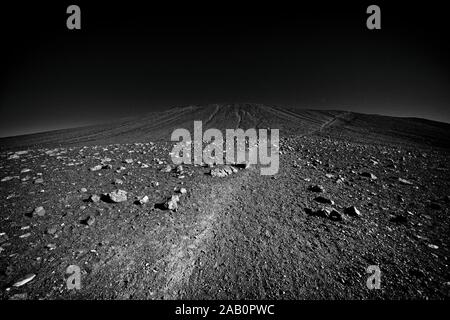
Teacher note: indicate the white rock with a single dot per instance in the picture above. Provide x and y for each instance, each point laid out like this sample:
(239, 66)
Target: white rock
(118, 196)
(24, 280)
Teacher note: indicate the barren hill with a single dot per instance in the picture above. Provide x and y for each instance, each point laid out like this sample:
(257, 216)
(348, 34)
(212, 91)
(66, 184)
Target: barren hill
(353, 191)
(159, 126)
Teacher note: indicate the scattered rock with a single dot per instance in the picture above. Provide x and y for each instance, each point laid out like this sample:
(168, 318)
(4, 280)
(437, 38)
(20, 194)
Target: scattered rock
(39, 180)
(94, 198)
(339, 180)
(403, 181)
(316, 188)
(19, 296)
(117, 196)
(89, 221)
(179, 169)
(369, 175)
(221, 171)
(172, 203)
(352, 211)
(83, 190)
(51, 246)
(118, 181)
(38, 211)
(143, 200)
(26, 235)
(324, 200)
(154, 183)
(322, 212)
(52, 230)
(96, 168)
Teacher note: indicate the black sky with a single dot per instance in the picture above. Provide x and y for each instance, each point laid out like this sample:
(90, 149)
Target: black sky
(130, 59)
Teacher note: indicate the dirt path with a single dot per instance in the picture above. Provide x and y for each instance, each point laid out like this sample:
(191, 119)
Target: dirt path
(262, 248)
(182, 257)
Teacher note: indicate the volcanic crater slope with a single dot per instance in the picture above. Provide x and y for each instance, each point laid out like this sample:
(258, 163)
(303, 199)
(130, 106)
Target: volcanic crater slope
(352, 191)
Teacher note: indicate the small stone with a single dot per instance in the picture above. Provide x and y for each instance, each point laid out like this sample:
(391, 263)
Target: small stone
(94, 198)
(323, 212)
(352, 211)
(95, 168)
(118, 196)
(52, 230)
(218, 172)
(90, 220)
(7, 178)
(83, 190)
(26, 235)
(154, 183)
(51, 246)
(369, 175)
(25, 170)
(39, 211)
(172, 203)
(19, 296)
(14, 156)
(39, 180)
(433, 246)
(168, 168)
(179, 169)
(403, 181)
(316, 188)
(118, 181)
(324, 200)
(128, 161)
(143, 200)
(183, 190)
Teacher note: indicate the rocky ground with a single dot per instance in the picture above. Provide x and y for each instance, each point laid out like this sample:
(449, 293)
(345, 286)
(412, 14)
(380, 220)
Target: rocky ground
(140, 227)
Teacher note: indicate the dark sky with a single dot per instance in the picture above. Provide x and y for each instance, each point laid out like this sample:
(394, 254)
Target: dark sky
(129, 59)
